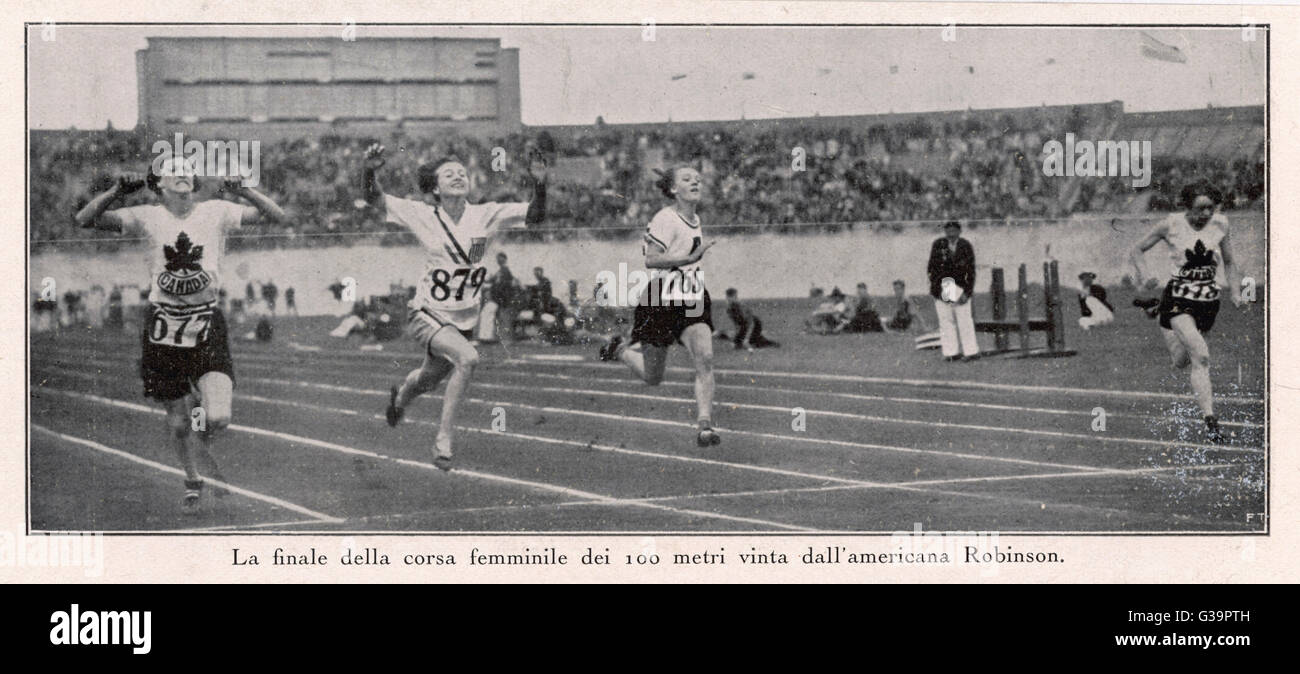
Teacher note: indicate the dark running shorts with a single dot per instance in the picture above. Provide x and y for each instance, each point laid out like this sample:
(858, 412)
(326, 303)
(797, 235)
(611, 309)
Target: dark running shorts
(179, 345)
(662, 326)
(1202, 312)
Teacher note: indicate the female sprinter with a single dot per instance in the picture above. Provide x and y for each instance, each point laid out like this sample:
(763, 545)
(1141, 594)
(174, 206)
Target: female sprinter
(456, 236)
(675, 307)
(1197, 241)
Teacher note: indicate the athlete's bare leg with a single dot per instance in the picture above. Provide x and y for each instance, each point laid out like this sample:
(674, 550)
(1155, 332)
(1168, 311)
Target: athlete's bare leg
(1177, 352)
(216, 392)
(423, 379)
(648, 364)
(452, 346)
(1198, 361)
(178, 433)
(699, 342)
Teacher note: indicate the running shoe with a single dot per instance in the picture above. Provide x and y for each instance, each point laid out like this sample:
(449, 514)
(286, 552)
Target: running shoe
(193, 492)
(394, 413)
(1212, 431)
(1149, 305)
(442, 454)
(707, 436)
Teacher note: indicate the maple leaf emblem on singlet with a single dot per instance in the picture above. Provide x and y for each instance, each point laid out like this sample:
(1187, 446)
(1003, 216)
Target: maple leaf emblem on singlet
(1198, 256)
(185, 256)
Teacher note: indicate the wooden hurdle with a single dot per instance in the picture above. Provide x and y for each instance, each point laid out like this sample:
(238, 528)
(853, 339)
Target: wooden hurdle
(1052, 324)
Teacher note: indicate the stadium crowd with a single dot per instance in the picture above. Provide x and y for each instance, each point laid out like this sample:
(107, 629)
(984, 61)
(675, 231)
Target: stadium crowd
(921, 169)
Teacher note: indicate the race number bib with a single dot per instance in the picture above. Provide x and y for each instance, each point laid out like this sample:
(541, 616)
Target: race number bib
(455, 285)
(683, 286)
(1204, 291)
(184, 330)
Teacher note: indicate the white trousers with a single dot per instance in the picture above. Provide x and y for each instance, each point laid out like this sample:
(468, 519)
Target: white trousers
(1100, 314)
(956, 329)
(487, 322)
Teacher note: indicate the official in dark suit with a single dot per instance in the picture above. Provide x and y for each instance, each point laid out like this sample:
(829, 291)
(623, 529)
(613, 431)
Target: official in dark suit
(952, 284)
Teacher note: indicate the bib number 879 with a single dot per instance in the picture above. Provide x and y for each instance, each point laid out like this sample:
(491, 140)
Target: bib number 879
(444, 281)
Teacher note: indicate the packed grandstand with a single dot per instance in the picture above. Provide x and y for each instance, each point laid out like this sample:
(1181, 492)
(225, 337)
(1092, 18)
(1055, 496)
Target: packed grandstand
(893, 169)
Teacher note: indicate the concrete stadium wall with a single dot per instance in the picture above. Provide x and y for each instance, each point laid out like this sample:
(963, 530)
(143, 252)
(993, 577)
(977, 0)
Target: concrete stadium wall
(758, 265)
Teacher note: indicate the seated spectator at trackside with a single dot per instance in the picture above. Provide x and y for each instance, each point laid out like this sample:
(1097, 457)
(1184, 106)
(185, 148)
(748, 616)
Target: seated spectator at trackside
(903, 316)
(539, 299)
(865, 318)
(831, 316)
(1094, 310)
(749, 328)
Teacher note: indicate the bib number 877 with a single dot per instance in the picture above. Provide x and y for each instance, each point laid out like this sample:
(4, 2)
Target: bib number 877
(444, 281)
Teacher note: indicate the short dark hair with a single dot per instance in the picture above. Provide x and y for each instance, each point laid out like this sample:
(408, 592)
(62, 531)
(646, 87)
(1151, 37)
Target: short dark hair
(666, 177)
(1199, 188)
(152, 181)
(427, 175)
(731, 292)
(950, 224)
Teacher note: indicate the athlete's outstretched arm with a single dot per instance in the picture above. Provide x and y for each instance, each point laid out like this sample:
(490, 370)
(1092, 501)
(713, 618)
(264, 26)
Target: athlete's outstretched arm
(263, 206)
(1230, 271)
(371, 191)
(656, 256)
(96, 214)
(1160, 231)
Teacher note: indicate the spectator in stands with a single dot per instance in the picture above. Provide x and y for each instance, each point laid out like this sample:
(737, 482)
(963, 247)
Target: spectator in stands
(749, 328)
(1094, 310)
(878, 173)
(952, 284)
(865, 318)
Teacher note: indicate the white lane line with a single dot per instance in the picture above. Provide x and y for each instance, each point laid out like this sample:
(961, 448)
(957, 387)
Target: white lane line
(854, 396)
(1036, 503)
(677, 424)
(260, 525)
(283, 367)
(789, 438)
(682, 424)
(815, 376)
(609, 500)
(540, 486)
(928, 383)
(1094, 437)
(957, 480)
(281, 503)
(786, 491)
(850, 396)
